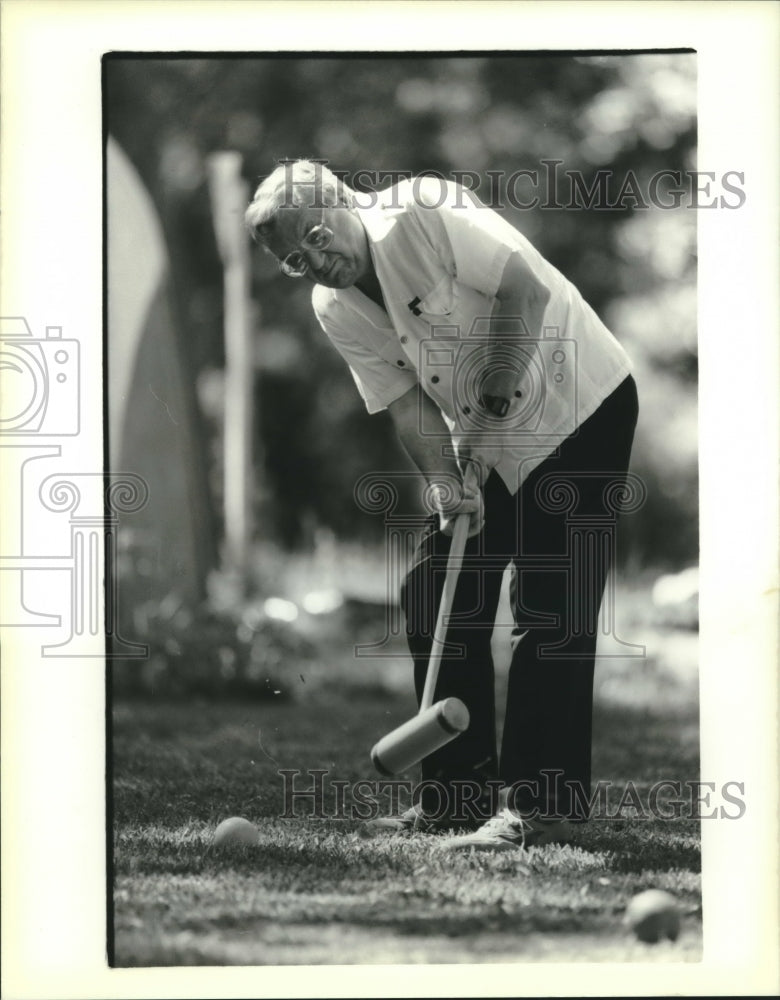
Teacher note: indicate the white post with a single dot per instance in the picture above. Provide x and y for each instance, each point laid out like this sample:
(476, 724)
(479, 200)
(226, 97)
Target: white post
(229, 198)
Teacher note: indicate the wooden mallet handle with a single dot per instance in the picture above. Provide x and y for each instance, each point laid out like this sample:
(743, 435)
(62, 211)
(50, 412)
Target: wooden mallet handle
(454, 563)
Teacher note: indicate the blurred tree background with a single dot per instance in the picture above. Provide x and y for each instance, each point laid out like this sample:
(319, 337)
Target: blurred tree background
(635, 265)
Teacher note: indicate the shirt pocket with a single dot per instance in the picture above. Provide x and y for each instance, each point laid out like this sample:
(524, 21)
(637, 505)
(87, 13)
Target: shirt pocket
(440, 302)
(459, 310)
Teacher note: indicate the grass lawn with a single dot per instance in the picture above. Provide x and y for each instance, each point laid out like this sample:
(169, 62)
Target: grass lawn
(315, 891)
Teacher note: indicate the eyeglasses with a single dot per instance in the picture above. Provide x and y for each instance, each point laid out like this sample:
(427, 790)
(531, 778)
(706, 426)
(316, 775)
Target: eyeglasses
(295, 264)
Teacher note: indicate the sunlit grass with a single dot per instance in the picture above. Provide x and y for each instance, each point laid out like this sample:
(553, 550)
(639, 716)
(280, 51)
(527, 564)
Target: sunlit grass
(316, 891)
(278, 902)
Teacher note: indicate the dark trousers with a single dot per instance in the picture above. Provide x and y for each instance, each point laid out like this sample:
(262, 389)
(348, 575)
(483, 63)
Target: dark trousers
(557, 532)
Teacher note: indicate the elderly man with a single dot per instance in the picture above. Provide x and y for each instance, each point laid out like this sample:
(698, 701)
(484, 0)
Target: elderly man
(484, 355)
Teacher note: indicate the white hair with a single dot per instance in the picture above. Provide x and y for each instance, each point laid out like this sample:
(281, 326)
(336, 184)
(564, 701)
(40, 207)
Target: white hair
(294, 184)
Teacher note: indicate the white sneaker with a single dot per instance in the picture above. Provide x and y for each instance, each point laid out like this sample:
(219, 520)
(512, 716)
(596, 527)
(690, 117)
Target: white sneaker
(508, 832)
(411, 821)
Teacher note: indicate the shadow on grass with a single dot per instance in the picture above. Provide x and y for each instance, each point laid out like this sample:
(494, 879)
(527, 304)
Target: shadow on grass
(180, 768)
(200, 761)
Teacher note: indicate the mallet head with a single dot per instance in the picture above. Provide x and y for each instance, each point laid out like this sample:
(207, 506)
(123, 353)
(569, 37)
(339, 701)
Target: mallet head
(420, 736)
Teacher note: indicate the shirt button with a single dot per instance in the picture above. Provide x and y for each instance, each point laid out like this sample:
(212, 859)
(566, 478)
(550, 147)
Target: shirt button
(518, 394)
(401, 364)
(435, 378)
(467, 409)
(404, 340)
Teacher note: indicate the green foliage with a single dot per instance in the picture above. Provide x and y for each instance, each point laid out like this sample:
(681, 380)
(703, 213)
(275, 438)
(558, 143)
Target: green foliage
(209, 652)
(635, 265)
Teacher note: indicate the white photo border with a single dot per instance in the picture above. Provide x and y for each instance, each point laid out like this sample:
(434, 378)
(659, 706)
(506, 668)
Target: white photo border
(53, 715)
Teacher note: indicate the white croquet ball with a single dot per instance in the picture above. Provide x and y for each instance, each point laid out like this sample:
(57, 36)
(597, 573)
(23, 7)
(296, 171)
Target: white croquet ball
(653, 915)
(235, 831)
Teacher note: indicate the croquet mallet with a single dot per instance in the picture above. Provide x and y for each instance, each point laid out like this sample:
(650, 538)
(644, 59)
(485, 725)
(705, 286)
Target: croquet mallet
(434, 725)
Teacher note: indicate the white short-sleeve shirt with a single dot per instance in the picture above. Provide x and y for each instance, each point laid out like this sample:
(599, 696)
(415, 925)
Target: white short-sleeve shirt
(439, 257)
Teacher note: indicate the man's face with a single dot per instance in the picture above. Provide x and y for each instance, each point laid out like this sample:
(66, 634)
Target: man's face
(345, 260)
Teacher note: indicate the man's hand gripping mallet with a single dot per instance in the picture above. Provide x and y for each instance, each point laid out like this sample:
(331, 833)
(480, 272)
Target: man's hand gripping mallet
(435, 724)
